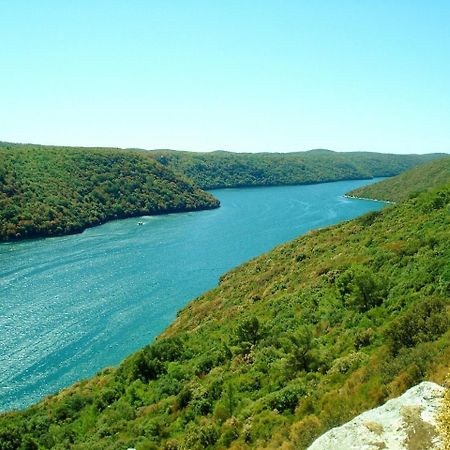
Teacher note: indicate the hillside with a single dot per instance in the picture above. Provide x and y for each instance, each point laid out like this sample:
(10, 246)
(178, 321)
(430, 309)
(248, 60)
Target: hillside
(426, 176)
(224, 169)
(50, 191)
(289, 345)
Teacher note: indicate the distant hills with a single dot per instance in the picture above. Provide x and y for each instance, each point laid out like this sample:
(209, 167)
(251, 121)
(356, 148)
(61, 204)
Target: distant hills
(224, 169)
(52, 191)
(287, 346)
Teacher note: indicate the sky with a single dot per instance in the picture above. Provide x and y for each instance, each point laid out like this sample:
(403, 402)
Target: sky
(237, 75)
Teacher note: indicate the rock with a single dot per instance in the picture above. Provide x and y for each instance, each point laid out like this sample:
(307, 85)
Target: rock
(407, 422)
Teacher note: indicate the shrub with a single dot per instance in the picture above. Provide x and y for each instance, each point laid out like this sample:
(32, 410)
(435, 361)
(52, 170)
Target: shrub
(184, 397)
(70, 406)
(230, 431)
(105, 398)
(146, 368)
(248, 331)
(10, 438)
(347, 363)
(368, 218)
(286, 398)
(361, 289)
(425, 321)
(201, 437)
(364, 338)
(166, 349)
(304, 432)
(300, 355)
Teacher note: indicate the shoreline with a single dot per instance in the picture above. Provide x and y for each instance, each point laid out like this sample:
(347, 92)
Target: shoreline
(110, 218)
(369, 199)
(107, 219)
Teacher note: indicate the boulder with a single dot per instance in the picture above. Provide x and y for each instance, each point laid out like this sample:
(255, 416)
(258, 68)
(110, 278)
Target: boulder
(407, 422)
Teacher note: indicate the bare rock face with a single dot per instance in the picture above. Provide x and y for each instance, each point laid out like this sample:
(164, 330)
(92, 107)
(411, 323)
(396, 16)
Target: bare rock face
(407, 422)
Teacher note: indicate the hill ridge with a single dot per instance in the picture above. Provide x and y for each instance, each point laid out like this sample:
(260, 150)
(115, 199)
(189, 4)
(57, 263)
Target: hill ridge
(53, 191)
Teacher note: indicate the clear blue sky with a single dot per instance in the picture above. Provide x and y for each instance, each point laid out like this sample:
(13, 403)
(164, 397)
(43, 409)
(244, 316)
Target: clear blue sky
(238, 75)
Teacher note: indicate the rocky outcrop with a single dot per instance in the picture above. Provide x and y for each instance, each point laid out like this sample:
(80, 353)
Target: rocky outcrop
(407, 422)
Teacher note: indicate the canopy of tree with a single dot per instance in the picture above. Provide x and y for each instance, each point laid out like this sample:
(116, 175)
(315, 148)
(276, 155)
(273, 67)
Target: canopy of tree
(224, 169)
(288, 345)
(49, 191)
(425, 176)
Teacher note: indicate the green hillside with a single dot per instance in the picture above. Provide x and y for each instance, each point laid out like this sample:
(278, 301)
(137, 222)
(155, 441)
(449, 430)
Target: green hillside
(49, 191)
(288, 345)
(224, 169)
(426, 176)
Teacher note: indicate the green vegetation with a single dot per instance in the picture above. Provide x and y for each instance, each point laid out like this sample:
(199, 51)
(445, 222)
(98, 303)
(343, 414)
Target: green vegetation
(426, 176)
(49, 191)
(288, 345)
(444, 420)
(223, 169)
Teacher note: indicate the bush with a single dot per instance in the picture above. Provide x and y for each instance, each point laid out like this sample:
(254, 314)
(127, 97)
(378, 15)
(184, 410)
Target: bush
(184, 397)
(304, 432)
(364, 338)
(368, 218)
(248, 331)
(10, 438)
(146, 368)
(347, 363)
(424, 322)
(361, 289)
(166, 349)
(201, 437)
(286, 398)
(300, 355)
(70, 406)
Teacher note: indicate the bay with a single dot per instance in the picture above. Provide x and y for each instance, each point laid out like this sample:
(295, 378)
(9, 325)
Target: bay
(72, 305)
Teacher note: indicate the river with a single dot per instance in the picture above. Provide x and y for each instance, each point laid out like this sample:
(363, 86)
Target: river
(70, 306)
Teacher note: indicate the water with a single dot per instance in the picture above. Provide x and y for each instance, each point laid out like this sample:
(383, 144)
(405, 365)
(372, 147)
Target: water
(72, 305)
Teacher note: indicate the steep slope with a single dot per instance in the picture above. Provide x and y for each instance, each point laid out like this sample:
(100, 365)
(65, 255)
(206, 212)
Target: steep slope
(425, 176)
(224, 169)
(289, 345)
(49, 191)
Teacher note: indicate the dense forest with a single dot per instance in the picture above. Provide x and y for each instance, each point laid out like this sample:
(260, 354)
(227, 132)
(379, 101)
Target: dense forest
(49, 191)
(224, 169)
(52, 191)
(426, 176)
(288, 345)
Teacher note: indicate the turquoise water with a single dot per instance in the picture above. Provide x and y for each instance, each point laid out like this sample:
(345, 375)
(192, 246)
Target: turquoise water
(72, 305)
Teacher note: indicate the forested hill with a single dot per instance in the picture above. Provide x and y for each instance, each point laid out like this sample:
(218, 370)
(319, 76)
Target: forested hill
(425, 176)
(224, 169)
(49, 191)
(290, 344)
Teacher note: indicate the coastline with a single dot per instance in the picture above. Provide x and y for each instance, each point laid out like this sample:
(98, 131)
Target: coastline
(369, 199)
(109, 218)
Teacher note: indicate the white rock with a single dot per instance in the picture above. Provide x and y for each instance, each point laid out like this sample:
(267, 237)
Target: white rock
(403, 423)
